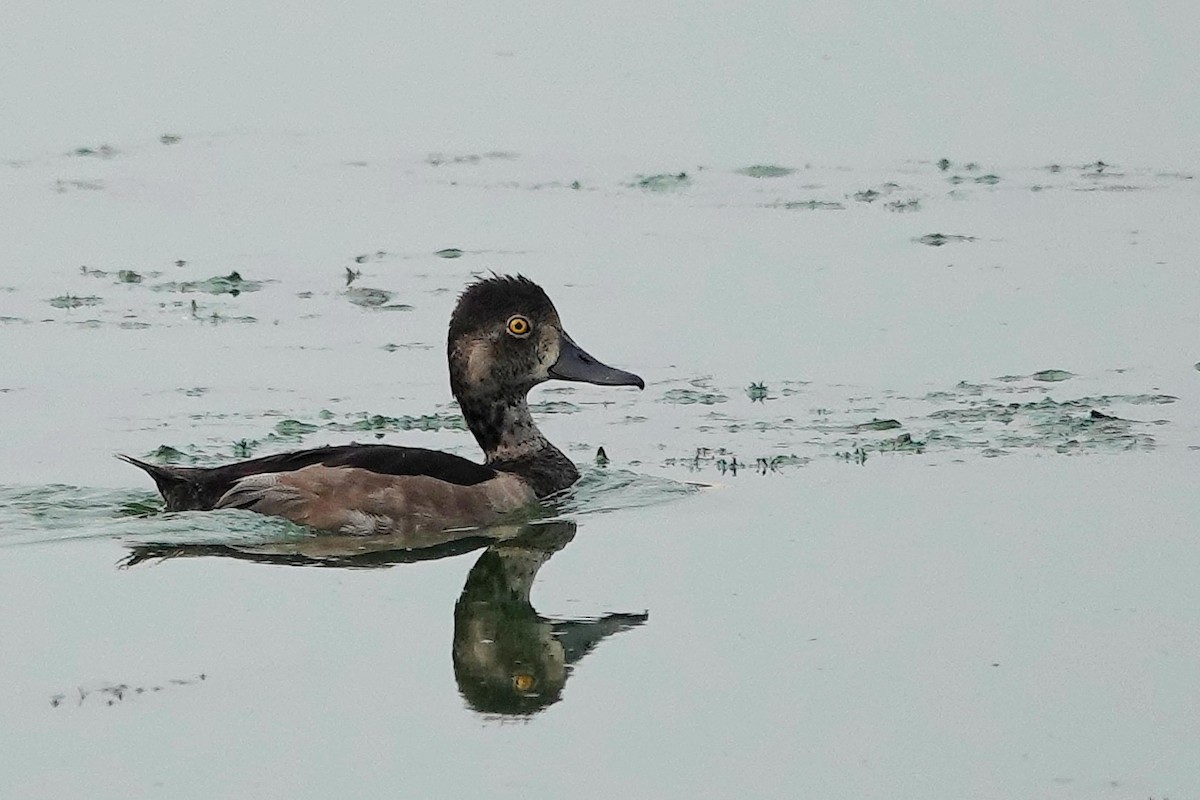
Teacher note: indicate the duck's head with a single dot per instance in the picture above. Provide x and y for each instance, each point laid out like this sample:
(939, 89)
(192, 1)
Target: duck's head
(506, 337)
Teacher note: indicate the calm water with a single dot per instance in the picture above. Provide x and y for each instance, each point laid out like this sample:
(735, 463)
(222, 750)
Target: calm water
(893, 519)
(1009, 627)
(907, 508)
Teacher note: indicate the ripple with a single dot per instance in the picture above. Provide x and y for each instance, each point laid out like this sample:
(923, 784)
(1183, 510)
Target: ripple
(601, 489)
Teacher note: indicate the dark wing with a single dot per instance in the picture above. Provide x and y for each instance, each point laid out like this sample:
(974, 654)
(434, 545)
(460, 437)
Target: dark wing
(385, 459)
(199, 488)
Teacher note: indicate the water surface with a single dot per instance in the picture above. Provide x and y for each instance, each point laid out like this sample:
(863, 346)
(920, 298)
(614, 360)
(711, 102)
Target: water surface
(906, 509)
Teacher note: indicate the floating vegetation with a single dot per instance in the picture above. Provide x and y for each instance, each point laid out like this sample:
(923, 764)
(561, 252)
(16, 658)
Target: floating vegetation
(900, 444)
(765, 464)
(122, 276)
(449, 252)
(170, 138)
(391, 348)
(291, 429)
(691, 396)
(244, 448)
(1127, 399)
(103, 151)
(663, 182)
(165, 454)
(705, 457)
(1109, 188)
(904, 443)
(75, 301)
(764, 171)
(902, 206)
(724, 461)
(989, 418)
(877, 425)
(63, 186)
(856, 455)
(367, 298)
(811, 205)
(1052, 375)
(939, 239)
(1068, 427)
(987, 180)
(375, 299)
(216, 318)
(294, 428)
(554, 407)
(438, 159)
(110, 694)
(730, 465)
(424, 422)
(231, 284)
(757, 392)
(866, 196)
(943, 164)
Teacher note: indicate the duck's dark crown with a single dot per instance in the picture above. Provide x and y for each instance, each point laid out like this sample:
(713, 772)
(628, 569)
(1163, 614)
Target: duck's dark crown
(490, 301)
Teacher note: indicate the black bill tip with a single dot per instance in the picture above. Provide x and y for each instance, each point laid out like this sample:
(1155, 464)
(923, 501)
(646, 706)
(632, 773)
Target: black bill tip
(575, 364)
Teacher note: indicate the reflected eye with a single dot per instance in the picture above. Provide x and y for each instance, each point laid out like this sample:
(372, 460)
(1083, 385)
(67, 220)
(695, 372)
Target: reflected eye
(519, 326)
(523, 683)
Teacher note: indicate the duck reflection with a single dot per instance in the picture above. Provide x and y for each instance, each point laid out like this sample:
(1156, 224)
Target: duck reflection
(507, 658)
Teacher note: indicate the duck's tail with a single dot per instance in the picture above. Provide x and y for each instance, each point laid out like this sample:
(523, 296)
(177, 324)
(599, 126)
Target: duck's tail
(179, 486)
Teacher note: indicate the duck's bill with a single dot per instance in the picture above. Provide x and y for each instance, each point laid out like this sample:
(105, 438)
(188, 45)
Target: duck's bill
(574, 364)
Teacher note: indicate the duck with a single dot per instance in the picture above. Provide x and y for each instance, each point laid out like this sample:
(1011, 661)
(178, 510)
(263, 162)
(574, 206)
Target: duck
(505, 337)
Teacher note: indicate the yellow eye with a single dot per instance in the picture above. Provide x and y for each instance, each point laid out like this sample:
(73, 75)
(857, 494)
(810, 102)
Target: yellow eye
(523, 683)
(519, 326)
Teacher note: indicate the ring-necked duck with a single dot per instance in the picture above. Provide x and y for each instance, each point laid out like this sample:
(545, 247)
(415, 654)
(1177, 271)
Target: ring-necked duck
(505, 338)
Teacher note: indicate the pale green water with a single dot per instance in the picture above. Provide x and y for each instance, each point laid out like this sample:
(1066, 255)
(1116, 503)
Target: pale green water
(1026, 620)
(945, 417)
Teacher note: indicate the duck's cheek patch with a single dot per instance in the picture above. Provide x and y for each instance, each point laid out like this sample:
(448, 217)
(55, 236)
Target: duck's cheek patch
(480, 363)
(547, 351)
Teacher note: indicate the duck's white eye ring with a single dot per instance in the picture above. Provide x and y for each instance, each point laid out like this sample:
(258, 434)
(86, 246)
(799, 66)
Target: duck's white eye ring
(518, 326)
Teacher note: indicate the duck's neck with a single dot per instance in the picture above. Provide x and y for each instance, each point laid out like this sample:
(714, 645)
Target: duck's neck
(512, 442)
